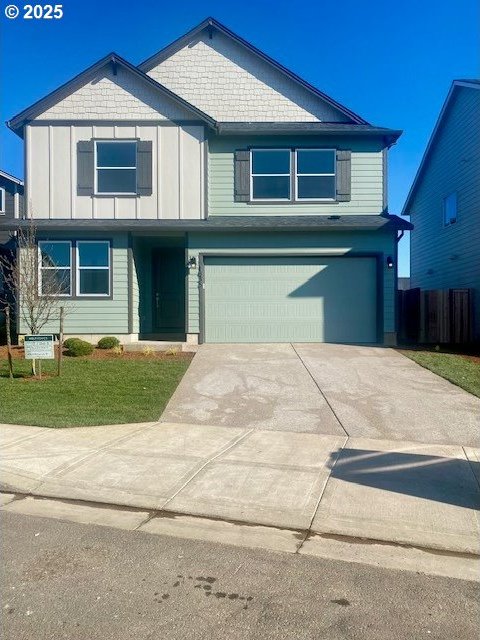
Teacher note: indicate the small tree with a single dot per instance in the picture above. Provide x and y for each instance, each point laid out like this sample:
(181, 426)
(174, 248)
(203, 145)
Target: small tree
(37, 303)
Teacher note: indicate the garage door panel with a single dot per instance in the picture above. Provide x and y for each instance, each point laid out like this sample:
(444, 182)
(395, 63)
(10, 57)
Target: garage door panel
(287, 299)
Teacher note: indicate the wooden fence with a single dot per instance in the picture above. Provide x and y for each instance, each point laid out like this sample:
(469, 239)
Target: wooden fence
(436, 316)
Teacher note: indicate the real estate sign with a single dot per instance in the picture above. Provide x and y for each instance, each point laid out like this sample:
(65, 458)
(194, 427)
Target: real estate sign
(39, 347)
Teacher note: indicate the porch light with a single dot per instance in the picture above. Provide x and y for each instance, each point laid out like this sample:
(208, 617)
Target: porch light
(389, 262)
(192, 263)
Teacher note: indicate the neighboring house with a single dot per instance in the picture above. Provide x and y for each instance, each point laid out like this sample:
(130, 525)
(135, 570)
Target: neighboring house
(444, 201)
(11, 207)
(210, 194)
(11, 202)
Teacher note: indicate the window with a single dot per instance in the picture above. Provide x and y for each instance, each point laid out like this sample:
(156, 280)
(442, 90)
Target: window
(270, 179)
(116, 167)
(2, 200)
(450, 209)
(55, 258)
(93, 268)
(315, 174)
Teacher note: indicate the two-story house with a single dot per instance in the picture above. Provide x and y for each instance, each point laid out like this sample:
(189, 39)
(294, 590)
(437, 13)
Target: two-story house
(444, 201)
(210, 194)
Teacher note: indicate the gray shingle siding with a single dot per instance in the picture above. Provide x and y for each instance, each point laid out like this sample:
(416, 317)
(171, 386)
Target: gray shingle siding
(449, 256)
(10, 188)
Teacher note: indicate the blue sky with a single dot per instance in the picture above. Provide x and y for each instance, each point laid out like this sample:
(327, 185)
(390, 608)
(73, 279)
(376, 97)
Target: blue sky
(392, 62)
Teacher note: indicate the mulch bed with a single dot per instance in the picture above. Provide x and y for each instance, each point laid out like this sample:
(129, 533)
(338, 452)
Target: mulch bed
(108, 354)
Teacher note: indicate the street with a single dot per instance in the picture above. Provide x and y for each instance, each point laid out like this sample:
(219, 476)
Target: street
(63, 580)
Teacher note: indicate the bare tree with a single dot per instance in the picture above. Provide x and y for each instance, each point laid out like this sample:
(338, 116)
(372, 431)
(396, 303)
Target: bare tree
(35, 294)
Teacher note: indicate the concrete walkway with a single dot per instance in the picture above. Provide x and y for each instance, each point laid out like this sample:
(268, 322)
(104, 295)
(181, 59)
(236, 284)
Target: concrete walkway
(359, 391)
(399, 492)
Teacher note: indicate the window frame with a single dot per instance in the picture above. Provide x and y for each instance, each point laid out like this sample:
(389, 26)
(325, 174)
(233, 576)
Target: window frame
(97, 168)
(271, 175)
(3, 205)
(448, 223)
(41, 268)
(79, 268)
(317, 175)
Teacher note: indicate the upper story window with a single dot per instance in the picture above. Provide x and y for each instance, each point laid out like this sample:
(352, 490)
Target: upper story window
(116, 167)
(2, 200)
(271, 174)
(315, 174)
(55, 266)
(450, 209)
(293, 175)
(93, 268)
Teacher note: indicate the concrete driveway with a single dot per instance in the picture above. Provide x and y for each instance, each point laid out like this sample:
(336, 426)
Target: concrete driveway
(366, 392)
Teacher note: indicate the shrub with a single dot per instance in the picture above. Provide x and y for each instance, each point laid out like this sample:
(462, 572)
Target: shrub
(108, 342)
(77, 347)
(68, 342)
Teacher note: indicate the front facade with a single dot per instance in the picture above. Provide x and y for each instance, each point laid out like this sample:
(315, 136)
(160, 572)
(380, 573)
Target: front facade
(444, 201)
(211, 195)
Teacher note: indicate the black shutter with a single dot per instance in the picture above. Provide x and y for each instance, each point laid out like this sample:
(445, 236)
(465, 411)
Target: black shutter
(344, 175)
(144, 168)
(85, 167)
(242, 175)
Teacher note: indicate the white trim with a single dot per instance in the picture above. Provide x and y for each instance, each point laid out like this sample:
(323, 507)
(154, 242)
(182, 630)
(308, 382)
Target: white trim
(271, 175)
(79, 268)
(327, 175)
(8, 176)
(56, 268)
(97, 168)
(3, 206)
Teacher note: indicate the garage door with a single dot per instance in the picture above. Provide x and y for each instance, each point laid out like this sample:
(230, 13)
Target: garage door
(290, 299)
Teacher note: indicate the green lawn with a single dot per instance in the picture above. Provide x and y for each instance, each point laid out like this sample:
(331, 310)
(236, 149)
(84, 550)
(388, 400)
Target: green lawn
(458, 369)
(90, 392)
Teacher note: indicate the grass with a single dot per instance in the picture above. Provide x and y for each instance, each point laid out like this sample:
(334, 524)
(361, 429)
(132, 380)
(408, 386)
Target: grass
(459, 369)
(89, 392)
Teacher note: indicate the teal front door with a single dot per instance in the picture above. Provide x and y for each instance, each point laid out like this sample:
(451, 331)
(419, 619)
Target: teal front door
(169, 291)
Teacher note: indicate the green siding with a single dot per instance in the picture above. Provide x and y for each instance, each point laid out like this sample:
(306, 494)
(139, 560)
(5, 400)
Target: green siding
(280, 243)
(98, 316)
(367, 176)
(290, 299)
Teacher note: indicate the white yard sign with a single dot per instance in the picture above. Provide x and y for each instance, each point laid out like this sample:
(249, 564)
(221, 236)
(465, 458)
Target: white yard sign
(39, 347)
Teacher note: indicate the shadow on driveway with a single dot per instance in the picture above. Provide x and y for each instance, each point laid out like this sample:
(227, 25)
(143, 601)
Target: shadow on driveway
(447, 480)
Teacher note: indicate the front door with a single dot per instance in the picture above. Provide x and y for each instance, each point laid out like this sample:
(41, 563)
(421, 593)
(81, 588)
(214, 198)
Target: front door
(169, 274)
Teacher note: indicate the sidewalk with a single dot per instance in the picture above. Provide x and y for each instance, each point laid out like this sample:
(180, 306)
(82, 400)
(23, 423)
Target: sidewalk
(399, 492)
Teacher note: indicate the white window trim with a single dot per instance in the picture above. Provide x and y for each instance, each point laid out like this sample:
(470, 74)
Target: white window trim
(115, 193)
(329, 175)
(270, 175)
(78, 268)
(42, 268)
(3, 206)
(455, 220)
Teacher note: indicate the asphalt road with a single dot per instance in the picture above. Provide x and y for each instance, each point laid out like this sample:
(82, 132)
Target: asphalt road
(69, 581)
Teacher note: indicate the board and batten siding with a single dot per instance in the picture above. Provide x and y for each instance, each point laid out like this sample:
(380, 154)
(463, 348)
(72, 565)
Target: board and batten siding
(366, 180)
(278, 244)
(449, 256)
(177, 169)
(96, 315)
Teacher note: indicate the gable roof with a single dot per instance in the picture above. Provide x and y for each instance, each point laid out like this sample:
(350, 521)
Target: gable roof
(470, 84)
(17, 122)
(210, 24)
(7, 176)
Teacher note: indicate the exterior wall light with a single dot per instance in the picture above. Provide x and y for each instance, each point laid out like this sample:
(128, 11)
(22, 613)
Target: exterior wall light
(389, 262)
(192, 263)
